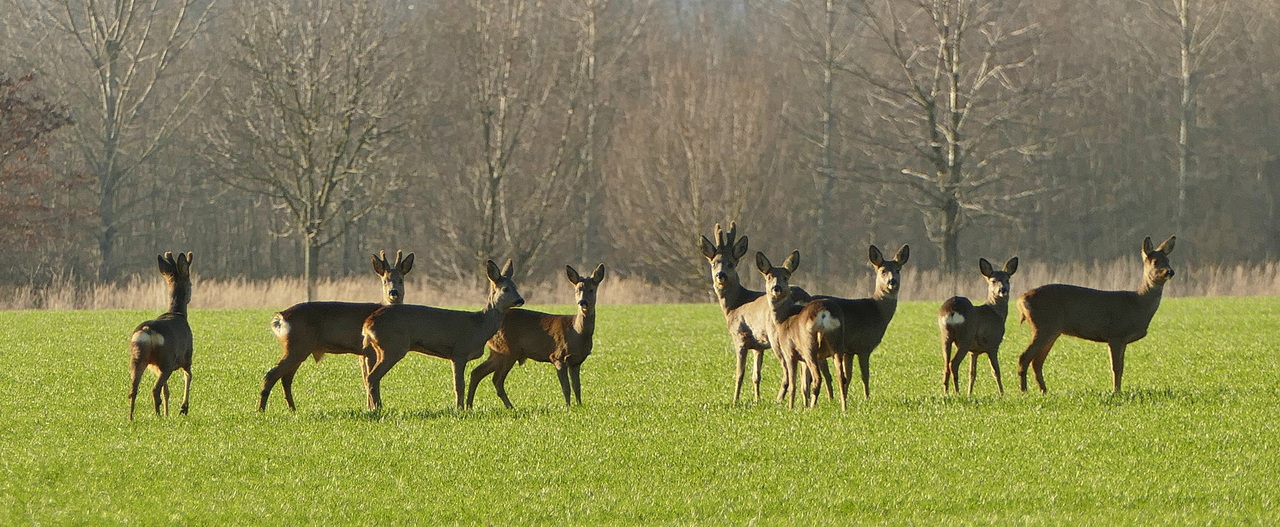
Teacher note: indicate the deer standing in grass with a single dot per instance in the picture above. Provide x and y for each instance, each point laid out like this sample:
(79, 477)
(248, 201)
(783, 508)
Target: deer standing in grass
(864, 320)
(562, 340)
(1114, 317)
(312, 329)
(804, 331)
(974, 330)
(457, 336)
(747, 313)
(164, 344)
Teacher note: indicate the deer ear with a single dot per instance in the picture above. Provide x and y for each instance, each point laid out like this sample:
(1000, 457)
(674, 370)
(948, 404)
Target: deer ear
(792, 262)
(407, 264)
(762, 263)
(379, 264)
(191, 257)
(1011, 266)
(166, 263)
(491, 269)
(1167, 246)
(597, 275)
(572, 274)
(508, 269)
(183, 263)
(874, 256)
(1146, 247)
(739, 247)
(903, 254)
(708, 248)
(984, 267)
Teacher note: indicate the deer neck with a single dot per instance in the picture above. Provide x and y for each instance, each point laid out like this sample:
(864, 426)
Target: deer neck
(999, 305)
(733, 297)
(179, 297)
(1149, 295)
(491, 318)
(584, 322)
(886, 302)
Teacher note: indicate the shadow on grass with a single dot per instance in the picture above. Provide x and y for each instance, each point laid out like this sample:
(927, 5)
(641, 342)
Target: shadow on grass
(393, 414)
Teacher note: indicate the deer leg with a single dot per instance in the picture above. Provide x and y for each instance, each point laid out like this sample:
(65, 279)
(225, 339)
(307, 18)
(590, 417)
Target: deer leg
(562, 374)
(973, 372)
(282, 368)
(135, 377)
(755, 374)
(1034, 356)
(186, 391)
(286, 384)
(739, 373)
(864, 365)
(1117, 362)
(500, 382)
(575, 378)
(825, 369)
(380, 369)
(160, 390)
(946, 366)
(841, 374)
(995, 369)
(460, 383)
(478, 374)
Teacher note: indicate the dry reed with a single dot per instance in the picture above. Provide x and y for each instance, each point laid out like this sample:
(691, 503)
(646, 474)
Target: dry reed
(149, 293)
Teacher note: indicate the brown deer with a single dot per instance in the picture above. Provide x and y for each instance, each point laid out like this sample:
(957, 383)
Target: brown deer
(804, 330)
(864, 320)
(562, 340)
(164, 344)
(747, 313)
(457, 336)
(1114, 317)
(975, 330)
(312, 329)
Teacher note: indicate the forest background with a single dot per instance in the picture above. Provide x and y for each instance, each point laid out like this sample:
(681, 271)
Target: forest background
(289, 139)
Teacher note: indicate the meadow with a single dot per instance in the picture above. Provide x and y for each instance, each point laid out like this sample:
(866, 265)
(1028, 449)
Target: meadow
(1194, 439)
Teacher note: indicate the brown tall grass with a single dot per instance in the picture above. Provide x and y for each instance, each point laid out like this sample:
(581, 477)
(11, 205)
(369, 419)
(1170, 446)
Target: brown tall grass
(149, 292)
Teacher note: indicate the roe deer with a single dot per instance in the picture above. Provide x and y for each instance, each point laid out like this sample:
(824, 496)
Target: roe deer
(747, 313)
(1114, 317)
(864, 320)
(316, 328)
(562, 340)
(975, 330)
(164, 344)
(803, 331)
(458, 336)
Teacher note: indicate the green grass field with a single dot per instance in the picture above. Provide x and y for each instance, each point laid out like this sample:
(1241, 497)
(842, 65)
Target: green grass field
(1194, 439)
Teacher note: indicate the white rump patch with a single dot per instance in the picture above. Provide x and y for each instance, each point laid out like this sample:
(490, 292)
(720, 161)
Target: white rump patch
(825, 321)
(146, 337)
(279, 326)
(952, 319)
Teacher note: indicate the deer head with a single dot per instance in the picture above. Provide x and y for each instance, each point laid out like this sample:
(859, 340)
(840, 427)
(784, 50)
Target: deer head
(998, 281)
(888, 272)
(392, 275)
(502, 291)
(1155, 262)
(777, 280)
(724, 256)
(584, 287)
(177, 273)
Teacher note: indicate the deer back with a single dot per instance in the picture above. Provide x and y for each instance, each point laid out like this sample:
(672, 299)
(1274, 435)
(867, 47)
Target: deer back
(1102, 316)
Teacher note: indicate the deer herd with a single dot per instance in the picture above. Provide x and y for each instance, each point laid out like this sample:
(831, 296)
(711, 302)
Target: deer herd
(804, 331)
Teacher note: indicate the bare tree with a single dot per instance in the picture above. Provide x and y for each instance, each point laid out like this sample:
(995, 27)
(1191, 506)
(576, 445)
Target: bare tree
(118, 65)
(506, 181)
(949, 85)
(1198, 25)
(822, 34)
(310, 109)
